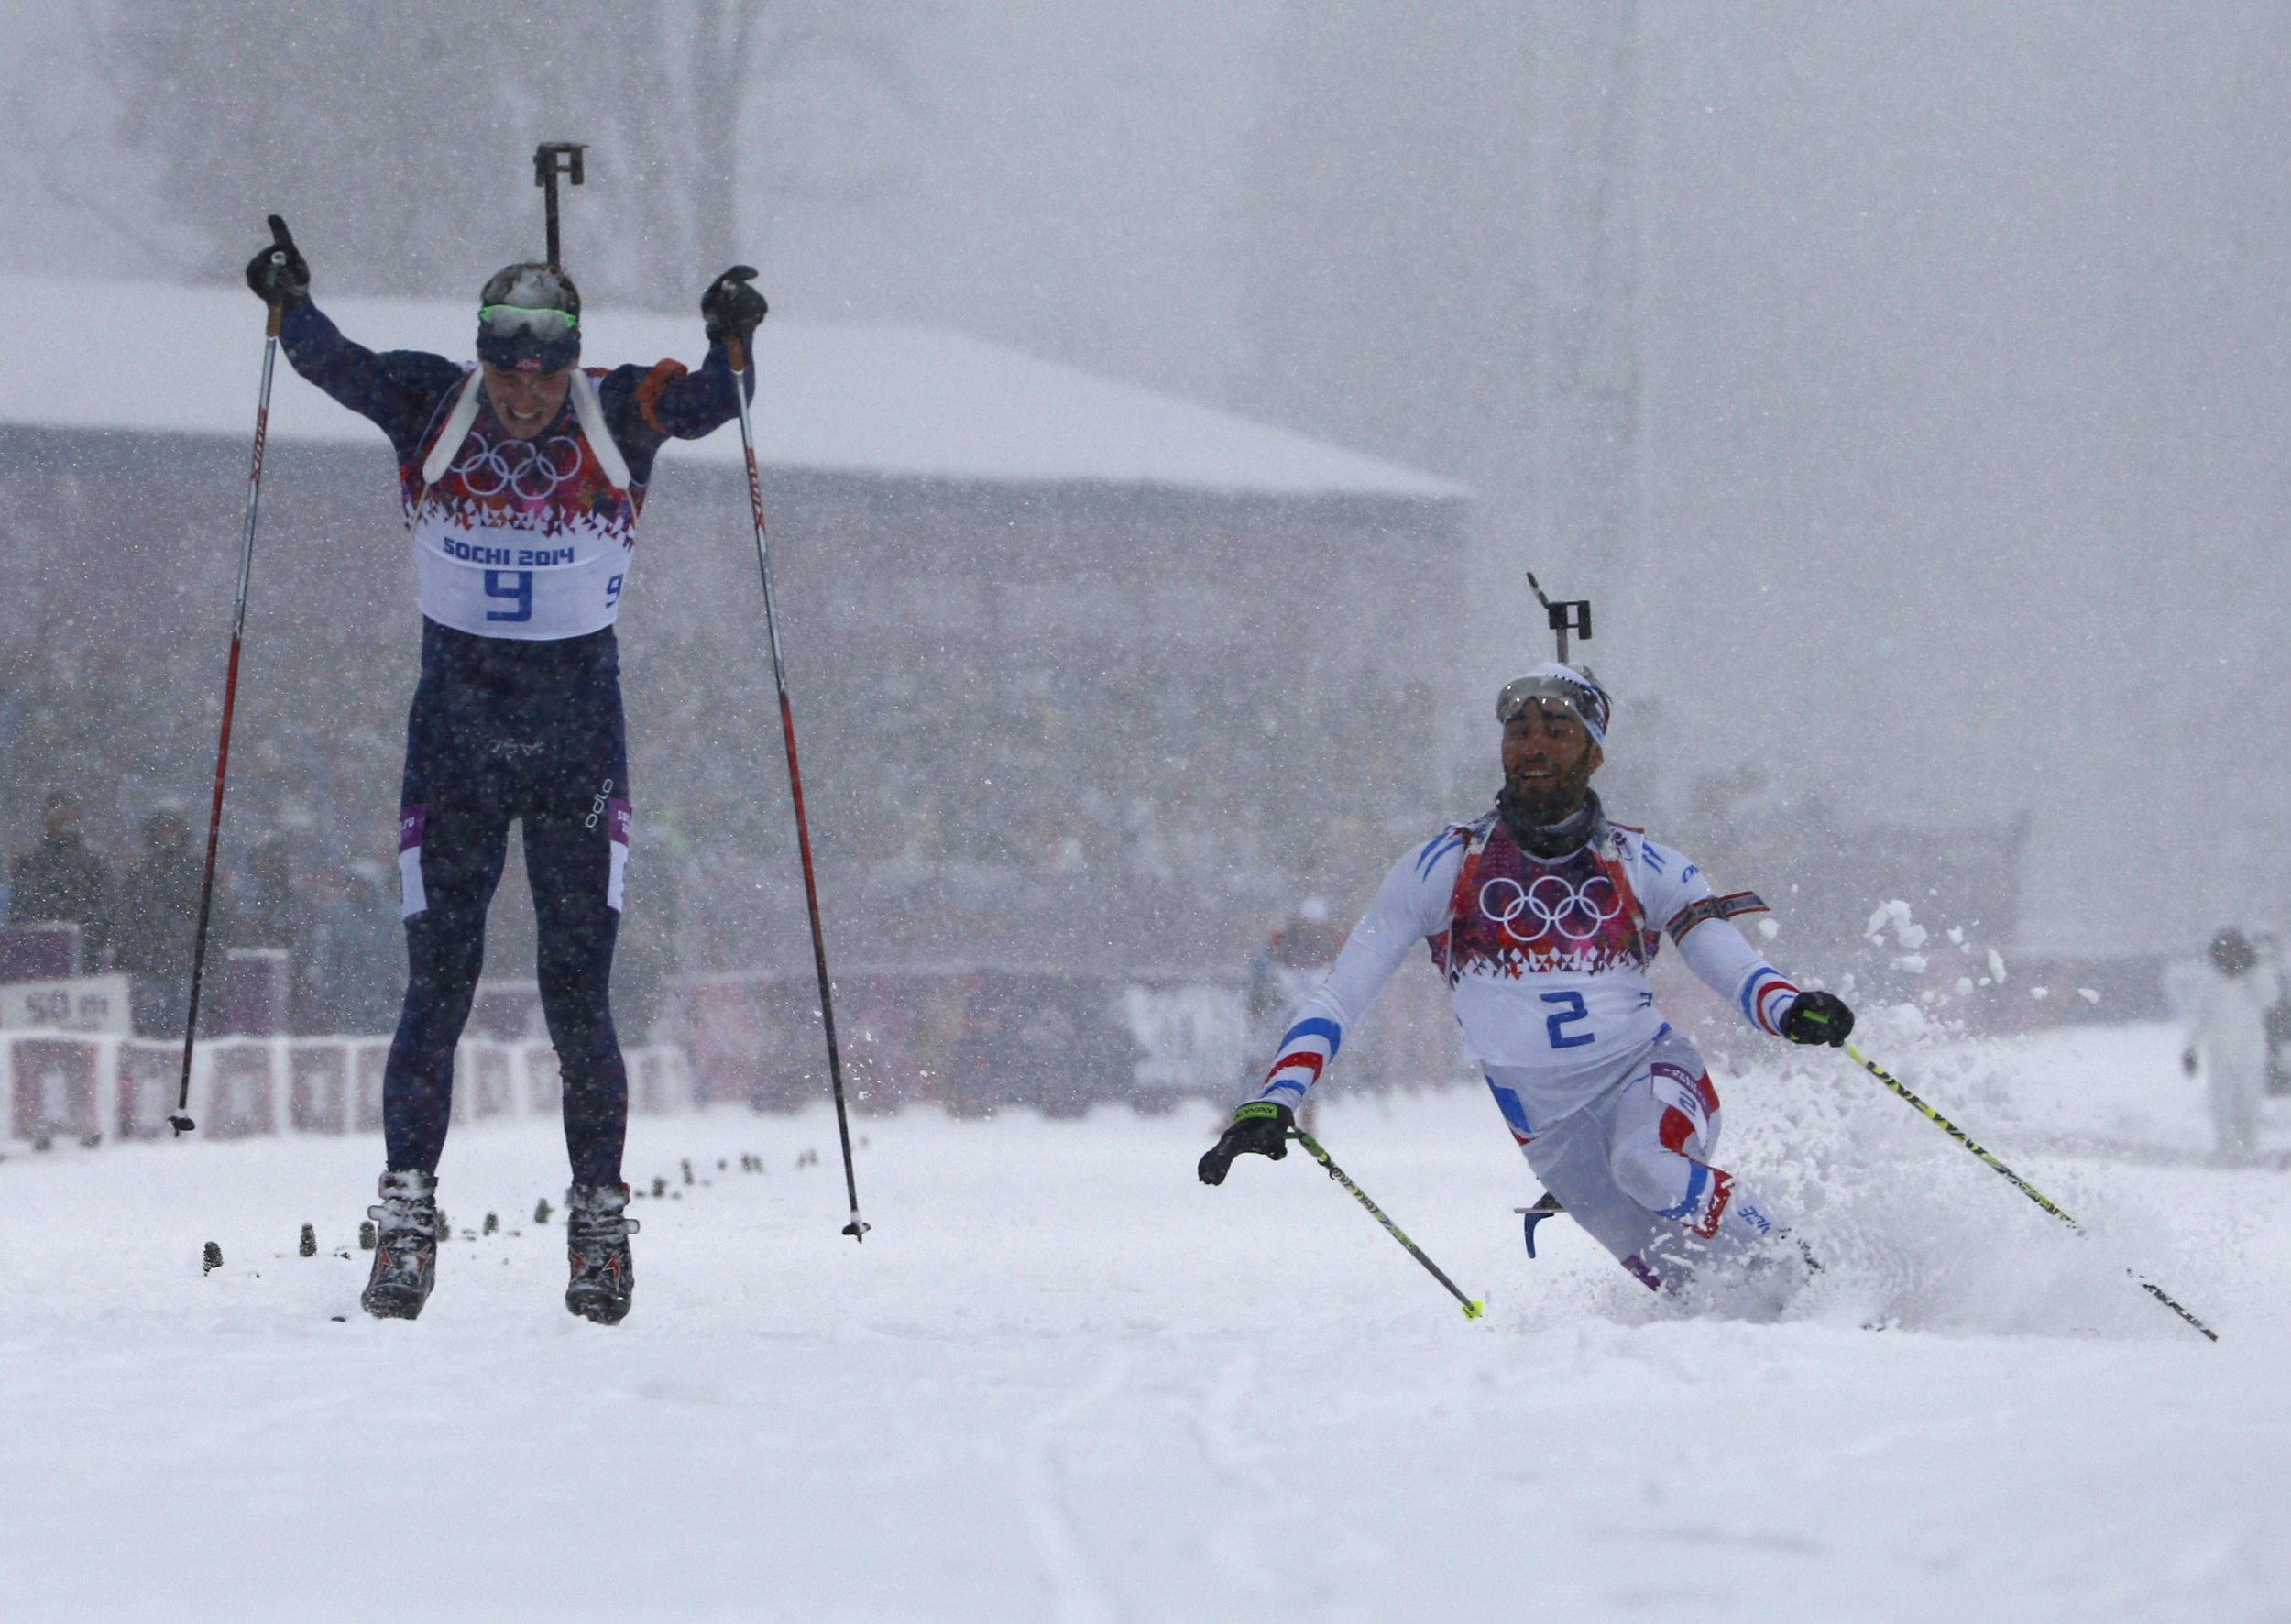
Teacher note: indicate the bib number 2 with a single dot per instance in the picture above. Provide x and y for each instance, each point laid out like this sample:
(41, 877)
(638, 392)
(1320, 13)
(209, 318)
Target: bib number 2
(514, 587)
(1570, 1010)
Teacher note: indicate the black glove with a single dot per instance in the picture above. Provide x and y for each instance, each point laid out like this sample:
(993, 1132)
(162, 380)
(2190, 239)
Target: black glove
(279, 275)
(1258, 1128)
(1818, 1018)
(731, 308)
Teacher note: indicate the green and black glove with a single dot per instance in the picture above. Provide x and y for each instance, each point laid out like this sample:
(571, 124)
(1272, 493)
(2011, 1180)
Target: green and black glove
(1818, 1018)
(1259, 1128)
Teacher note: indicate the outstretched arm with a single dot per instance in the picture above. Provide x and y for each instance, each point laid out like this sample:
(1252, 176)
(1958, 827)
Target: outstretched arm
(1678, 892)
(1700, 922)
(1727, 963)
(1411, 904)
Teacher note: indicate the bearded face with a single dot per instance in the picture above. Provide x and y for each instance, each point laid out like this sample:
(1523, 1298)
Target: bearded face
(1549, 758)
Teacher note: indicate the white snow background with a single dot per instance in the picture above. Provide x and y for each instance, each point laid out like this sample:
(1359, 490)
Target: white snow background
(1064, 1381)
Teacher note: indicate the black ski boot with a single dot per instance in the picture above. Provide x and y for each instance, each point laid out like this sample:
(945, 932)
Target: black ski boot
(405, 1246)
(596, 1232)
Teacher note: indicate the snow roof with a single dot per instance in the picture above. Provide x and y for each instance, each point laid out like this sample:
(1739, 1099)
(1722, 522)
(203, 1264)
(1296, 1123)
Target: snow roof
(843, 397)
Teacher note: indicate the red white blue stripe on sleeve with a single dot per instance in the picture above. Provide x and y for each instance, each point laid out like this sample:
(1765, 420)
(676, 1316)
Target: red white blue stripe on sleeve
(1307, 1047)
(1766, 998)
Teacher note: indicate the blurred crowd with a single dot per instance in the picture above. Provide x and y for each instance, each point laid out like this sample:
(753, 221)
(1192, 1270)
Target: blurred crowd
(1028, 805)
(138, 915)
(971, 755)
(338, 923)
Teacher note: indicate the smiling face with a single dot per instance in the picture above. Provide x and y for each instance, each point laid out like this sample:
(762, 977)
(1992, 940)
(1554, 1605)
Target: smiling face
(526, 402)
(1549, 758)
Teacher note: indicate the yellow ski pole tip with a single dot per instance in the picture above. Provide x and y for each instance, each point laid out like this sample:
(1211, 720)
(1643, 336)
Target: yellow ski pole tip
(1472, 1310)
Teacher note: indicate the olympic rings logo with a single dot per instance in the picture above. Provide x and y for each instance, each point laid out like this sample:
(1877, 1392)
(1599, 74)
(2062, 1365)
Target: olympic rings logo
(1554, 903)
(527, 470)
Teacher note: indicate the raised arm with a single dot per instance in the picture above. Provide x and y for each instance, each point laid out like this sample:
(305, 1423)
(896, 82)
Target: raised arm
(399, 391)
(670, 401)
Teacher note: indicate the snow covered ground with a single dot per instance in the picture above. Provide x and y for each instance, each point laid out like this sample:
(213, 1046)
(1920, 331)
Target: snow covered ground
(1064, 1381)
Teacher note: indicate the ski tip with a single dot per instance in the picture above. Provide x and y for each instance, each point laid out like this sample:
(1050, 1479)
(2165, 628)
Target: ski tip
(1472, 1310)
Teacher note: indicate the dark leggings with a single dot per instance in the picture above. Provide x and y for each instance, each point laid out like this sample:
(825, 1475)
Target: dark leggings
(498, 733)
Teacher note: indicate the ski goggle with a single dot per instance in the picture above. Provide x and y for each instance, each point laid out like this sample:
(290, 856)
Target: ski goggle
(1561, 685)
(512, 321)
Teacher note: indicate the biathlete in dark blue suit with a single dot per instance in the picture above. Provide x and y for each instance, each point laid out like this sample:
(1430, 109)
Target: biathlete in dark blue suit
(521, 477)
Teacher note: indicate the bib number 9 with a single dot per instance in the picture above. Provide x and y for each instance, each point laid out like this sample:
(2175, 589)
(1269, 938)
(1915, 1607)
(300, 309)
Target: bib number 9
(1571, 1010)
(512, 585)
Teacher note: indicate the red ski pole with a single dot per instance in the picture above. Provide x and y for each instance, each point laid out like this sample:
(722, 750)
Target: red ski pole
(181, 1122)
(857, 1227)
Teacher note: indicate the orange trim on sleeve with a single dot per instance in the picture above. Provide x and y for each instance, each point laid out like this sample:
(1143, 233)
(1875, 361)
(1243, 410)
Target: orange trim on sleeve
(648, 394)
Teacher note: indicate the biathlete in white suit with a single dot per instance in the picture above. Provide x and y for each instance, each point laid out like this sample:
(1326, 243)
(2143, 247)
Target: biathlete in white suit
(521, 477)
(1543, 916)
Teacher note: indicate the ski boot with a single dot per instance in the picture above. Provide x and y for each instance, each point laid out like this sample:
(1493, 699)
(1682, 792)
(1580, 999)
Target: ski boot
(596, 1232)
(405, 1246)
(1770, 1277)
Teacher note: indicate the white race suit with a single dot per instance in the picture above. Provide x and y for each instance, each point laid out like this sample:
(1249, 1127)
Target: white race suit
(1546, 960)
(2230, 1032)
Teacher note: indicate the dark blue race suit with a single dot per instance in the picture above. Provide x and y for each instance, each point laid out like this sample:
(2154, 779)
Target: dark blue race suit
(522, 549)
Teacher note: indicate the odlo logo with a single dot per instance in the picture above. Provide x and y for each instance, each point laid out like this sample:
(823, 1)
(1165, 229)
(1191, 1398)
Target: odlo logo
(597, 804)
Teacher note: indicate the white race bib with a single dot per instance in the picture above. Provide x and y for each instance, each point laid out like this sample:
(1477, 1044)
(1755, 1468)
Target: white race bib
(523, 539)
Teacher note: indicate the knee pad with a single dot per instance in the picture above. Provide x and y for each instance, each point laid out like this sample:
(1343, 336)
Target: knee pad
(1659, 1166)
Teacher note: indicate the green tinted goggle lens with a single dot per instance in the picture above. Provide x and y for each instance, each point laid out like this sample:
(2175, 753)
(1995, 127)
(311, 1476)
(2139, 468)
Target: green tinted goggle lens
(507, 321)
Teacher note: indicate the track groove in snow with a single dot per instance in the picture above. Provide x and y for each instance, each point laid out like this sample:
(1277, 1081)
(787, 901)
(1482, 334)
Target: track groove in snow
(1063, 1381)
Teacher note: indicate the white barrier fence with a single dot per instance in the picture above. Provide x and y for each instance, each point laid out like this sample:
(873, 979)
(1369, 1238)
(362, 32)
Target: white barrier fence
(84, 1087)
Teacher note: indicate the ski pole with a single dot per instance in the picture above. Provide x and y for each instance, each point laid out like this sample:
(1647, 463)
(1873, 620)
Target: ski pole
(181, 1122)
(856, 1228)
(2019, 1183)
(1472, 1310)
